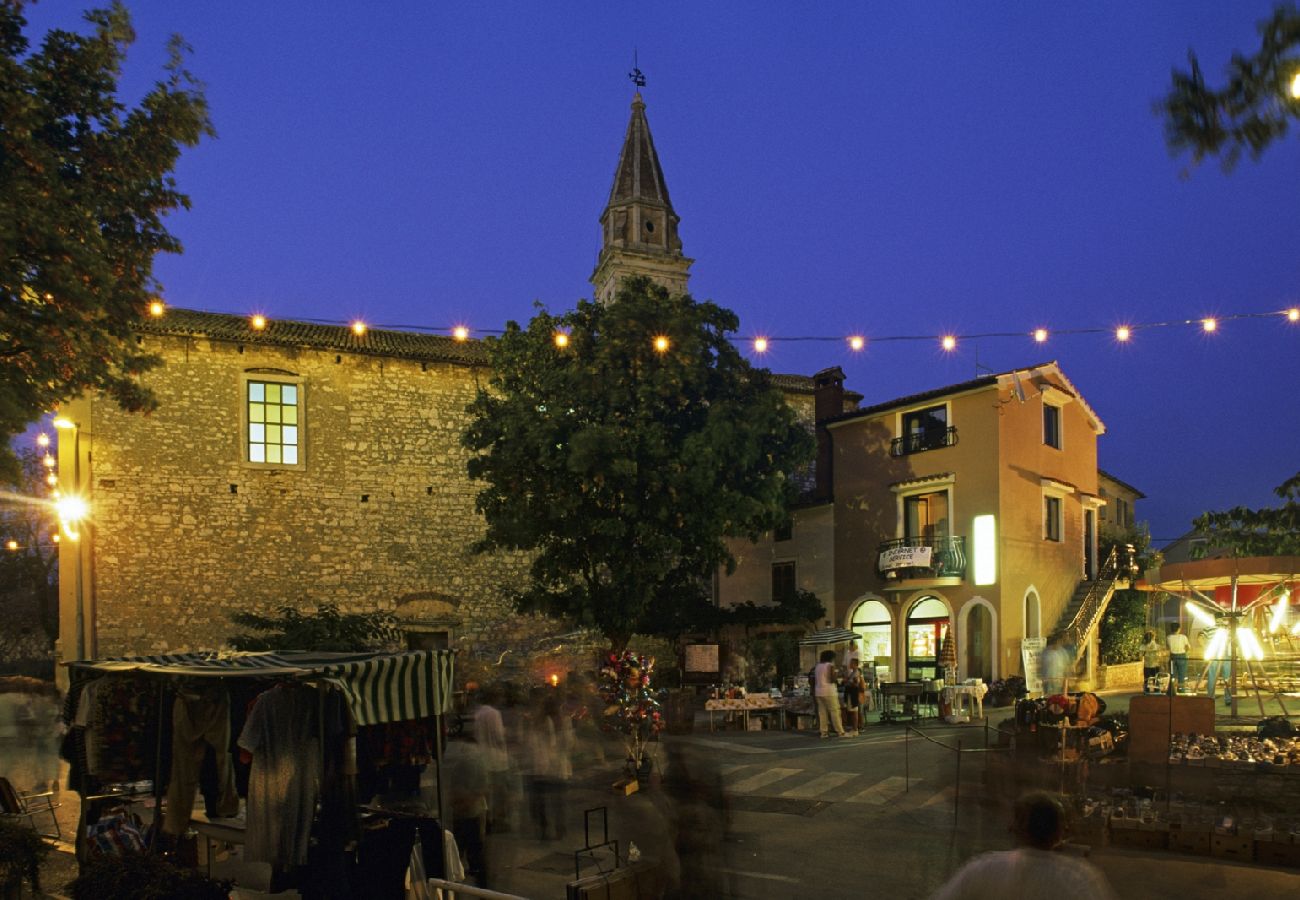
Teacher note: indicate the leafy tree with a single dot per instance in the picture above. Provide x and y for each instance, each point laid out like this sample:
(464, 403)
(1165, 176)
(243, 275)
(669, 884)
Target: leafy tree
(1125, 618)
(1271, 531)
(1251, 111)
(623, 467)
(325, 629)
(29, 571)
(84, 185)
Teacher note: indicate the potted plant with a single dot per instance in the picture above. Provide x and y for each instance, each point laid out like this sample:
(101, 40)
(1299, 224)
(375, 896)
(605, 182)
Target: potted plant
(21, 853)
(144, 877)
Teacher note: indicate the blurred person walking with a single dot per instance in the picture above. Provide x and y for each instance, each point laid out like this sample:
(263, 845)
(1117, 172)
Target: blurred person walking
(1036, 869)
(827, 695)
(549, 741)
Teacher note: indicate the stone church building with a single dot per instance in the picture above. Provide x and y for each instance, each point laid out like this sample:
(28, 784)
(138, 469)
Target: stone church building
(293, 464)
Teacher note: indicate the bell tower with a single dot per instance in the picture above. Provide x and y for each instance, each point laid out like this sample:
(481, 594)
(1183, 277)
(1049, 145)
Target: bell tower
(638, 227)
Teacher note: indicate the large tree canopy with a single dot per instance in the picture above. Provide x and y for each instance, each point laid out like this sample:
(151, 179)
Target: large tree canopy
(84, 185)
(623, 460)
(1251, 111)
(1271, 531)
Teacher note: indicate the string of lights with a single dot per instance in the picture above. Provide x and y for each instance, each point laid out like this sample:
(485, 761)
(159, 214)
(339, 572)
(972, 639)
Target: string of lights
(761, 343)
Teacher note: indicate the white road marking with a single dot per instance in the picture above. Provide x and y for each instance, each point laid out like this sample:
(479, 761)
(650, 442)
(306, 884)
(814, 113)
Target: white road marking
(764, 875)
(819, 786)
(724, 745)
(762, 779)
(882, 791)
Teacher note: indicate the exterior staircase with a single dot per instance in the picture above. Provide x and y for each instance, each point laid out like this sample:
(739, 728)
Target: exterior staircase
(1084, 611)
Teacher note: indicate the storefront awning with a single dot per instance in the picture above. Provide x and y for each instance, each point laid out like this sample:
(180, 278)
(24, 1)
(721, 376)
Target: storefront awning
(828, 636)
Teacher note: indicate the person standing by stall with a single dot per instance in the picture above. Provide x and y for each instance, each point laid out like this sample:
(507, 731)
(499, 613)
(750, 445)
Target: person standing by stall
(1150, 662)
(826, 695)
(1178, 647)
(855, 692)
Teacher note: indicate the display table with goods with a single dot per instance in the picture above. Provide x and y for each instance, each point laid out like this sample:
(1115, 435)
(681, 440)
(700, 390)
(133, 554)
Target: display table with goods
(742, 708)
(962, 702)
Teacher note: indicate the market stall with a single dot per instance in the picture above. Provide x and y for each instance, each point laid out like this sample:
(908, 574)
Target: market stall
(149, 731)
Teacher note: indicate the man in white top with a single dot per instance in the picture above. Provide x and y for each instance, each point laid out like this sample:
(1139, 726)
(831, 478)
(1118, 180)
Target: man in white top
(1035, 870)
(826, 694)
(852, 654)
(1178, 646)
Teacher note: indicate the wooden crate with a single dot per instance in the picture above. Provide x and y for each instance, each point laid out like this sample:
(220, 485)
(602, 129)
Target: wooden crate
(1277, 853)
(1196, 843)
(1138, 839)
(1239, 847)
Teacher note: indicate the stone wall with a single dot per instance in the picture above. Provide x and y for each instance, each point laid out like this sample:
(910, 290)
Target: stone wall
(379, 517)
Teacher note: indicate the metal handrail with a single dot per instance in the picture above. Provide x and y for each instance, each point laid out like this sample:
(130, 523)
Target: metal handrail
(920, 441)
(1089, 611)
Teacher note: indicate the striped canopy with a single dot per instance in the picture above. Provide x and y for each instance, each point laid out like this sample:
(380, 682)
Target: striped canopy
(379, 687)
(828, 636)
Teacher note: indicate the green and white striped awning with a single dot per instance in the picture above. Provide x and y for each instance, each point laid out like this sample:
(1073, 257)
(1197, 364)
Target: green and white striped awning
(379, 687)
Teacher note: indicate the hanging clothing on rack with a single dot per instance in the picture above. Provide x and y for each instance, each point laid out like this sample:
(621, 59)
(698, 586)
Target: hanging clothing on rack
(200, 719)
(282, 735)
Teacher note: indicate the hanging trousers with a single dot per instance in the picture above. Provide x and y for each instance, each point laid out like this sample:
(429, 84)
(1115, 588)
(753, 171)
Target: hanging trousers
(198, 723)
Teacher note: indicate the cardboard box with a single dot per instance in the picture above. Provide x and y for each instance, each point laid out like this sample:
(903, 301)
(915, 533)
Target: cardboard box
(1196, 843)
(1277, 853)
(1138, 840)
(1237, 847)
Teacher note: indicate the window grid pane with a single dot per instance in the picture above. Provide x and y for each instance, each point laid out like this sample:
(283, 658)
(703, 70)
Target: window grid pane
(268, 405)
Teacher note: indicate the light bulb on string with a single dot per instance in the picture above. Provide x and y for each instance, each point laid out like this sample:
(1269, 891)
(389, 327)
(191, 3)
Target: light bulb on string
(1040, 335)
(157, 308)
(857, 342)
(760, 345)
(661, 344)
(359, 328)
(1293, 314)
(948, 342)
(1123, 333)
(42, 440)
(257, 322)
(561, 339)
(460, 333)
(1209, 326)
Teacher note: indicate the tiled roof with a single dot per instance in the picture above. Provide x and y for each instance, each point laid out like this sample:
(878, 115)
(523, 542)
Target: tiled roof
(803, 384)
(1122, 483)
(910, 399)
(286, 333)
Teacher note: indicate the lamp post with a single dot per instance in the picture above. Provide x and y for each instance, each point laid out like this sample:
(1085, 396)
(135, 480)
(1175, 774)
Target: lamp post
(72, 510)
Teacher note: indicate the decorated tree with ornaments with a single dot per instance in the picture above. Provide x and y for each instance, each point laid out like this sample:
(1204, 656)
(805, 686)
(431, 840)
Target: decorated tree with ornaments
(630, 706)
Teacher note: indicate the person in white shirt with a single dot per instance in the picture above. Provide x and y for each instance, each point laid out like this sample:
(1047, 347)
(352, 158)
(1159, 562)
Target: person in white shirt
(1178, 646)
(826, 694)
(851, 654)
(1035, 870)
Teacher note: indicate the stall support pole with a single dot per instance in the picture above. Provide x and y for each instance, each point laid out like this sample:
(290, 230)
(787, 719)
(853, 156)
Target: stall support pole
(956, 790)
(443, 821)
(157, 769)
(907, 759)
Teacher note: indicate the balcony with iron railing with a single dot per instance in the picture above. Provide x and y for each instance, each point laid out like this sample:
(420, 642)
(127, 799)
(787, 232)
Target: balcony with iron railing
(907, 559)
(920, 441)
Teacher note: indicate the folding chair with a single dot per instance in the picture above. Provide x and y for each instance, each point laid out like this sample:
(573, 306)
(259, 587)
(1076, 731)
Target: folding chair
(27, 806)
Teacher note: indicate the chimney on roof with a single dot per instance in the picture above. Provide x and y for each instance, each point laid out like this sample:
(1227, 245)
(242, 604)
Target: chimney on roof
(828, 401)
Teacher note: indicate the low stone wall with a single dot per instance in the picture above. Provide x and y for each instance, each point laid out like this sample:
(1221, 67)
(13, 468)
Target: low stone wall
(1123, 675)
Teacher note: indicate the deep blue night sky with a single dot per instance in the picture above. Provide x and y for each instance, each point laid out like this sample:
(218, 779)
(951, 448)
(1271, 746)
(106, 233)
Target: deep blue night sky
(884, 169)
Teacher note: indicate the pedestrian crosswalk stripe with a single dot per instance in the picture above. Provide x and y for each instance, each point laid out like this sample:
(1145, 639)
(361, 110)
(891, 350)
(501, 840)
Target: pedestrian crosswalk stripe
(882, 791)
(817, 786)
(763, 779)
(727, 770)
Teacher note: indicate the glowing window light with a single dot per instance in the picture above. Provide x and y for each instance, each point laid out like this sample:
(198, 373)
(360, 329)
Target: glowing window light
(1040, 335)
(1200, 614)
(1295, 86)
(949, 342)
(760, 345)
(1123, 333)
(258, 322)
(1293, 314)
(661, 344)
(157, 308)
(561, 339)
(857, 342)
(1278, 618)
(460, 333)
(1209, 325)
(358, 327)
(986, 550)
(42, 440)
(47, 461)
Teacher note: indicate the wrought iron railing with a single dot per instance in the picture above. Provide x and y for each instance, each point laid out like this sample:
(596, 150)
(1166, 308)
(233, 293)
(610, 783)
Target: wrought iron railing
(920, 441)
(947, 558)
(1094, 601)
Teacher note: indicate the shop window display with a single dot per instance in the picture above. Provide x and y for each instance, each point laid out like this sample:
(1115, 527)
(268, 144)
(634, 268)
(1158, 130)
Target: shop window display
(873, 626)
(927, 626)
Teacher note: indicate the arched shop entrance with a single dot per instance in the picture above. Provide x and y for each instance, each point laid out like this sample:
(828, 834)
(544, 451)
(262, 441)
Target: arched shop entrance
(873, 625)
(927, 626)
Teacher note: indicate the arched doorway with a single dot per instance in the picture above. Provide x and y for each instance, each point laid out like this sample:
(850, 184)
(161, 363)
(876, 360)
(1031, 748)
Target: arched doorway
(978, 642)
(927, 626)
(873, 625)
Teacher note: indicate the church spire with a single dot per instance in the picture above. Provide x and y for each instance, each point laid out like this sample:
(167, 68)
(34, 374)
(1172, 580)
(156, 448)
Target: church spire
(639, 227)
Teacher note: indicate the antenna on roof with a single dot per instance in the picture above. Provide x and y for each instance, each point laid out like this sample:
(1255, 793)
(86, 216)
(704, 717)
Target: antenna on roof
(637, 76)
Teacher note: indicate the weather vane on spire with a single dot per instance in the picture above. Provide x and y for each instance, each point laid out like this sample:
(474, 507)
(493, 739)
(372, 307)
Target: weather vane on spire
(637, 76)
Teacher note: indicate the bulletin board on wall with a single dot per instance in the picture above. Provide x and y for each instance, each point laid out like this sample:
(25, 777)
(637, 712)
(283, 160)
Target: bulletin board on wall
(702, 663)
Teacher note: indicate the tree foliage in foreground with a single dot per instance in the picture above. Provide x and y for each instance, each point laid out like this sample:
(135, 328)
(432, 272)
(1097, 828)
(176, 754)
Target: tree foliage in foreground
(1271, 531)
(85, 183)
(29, 573)
(326, 629)
(623, 469)
(1251, 111)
